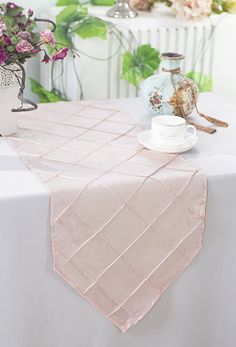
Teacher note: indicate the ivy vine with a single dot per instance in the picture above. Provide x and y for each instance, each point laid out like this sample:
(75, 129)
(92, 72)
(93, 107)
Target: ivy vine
(44, 94)
(204, 82)
(140, 64)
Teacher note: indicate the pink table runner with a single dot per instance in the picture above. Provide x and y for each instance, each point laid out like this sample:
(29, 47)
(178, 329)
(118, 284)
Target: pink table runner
(125, 220)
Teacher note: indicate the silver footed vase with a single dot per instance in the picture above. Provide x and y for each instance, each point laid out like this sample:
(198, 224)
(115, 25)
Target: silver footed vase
(122, 9)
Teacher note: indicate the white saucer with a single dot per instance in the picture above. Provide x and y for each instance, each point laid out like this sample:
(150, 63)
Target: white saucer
(189, 142)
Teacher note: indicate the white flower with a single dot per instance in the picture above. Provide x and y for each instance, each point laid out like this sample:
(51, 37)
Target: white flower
(191, 9)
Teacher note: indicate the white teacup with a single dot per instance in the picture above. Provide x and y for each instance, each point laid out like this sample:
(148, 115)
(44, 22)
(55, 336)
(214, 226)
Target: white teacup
(170, 130)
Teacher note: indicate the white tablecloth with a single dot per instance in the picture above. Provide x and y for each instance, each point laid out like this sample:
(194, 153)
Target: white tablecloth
(38, 309)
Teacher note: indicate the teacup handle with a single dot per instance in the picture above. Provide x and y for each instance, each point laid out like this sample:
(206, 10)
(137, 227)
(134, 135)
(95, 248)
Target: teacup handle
(193, 128)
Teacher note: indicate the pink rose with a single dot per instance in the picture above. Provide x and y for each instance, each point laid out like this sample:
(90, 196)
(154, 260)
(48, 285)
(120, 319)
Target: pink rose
(3, 55)
(48, 37)
(24, 46)
(60, 55)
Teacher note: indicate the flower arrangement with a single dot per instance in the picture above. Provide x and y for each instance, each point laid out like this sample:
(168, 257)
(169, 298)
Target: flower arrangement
(189, 9)
(198, 9)
(20, 40)
(142, 5)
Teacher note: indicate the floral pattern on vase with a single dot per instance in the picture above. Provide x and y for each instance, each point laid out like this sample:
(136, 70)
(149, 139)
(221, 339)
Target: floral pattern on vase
(169, 92)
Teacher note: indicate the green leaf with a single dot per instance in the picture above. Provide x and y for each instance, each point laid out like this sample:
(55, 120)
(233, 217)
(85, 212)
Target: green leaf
(103, 2)
(35, 38)
(10, 49)
(140, 65)
(67, 2)
(13, 12)
(62, 37)
(64, 19)
(16, 28)
(3, 8)
(130, 72)
(30, 27)
(15, 39)
(91, 27)
(44, 94)
(9, 21)
(71, 13)
(204, 82)
(21, 19)
(229, 6)
(220, 6)
(168, 3)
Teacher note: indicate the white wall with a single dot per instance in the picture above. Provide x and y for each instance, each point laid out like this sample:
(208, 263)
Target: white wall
(39, 6)
(224, 59)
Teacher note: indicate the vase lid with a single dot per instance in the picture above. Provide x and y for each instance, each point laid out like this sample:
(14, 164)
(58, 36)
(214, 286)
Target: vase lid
(172, 56)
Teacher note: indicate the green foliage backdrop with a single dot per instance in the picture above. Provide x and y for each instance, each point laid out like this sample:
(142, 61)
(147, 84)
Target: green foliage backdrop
(138, 63)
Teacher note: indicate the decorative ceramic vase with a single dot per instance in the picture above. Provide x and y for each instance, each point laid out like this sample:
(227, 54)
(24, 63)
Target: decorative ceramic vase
(169, 92)
(9, 89)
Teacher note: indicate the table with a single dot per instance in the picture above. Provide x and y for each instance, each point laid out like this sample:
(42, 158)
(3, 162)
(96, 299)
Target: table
(37, 308)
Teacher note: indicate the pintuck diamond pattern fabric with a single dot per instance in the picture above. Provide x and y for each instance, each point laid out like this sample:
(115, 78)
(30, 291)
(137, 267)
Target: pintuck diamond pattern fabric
(125, 221)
